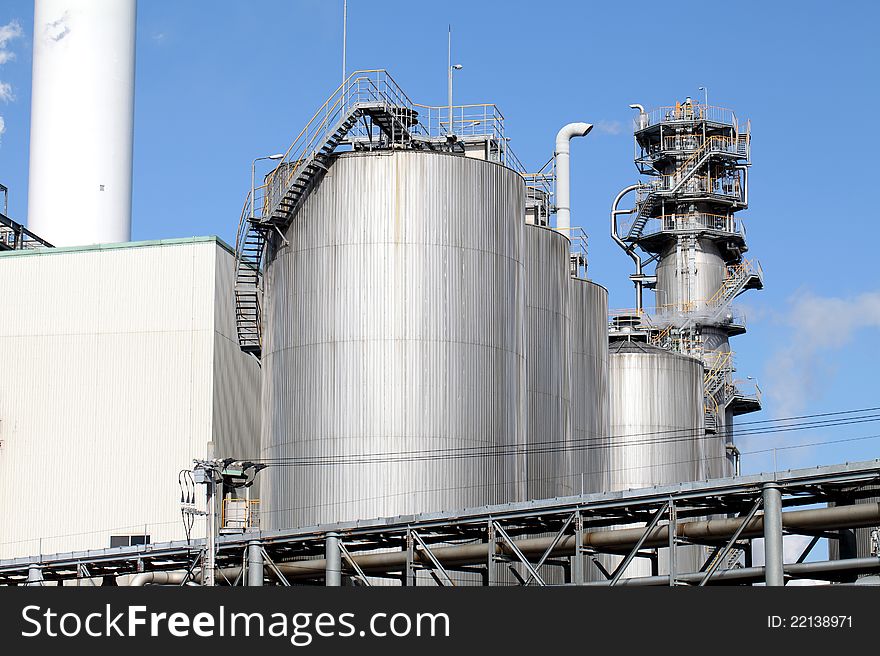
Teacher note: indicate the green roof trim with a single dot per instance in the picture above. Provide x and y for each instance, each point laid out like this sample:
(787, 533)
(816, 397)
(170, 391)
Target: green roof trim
(128, 244)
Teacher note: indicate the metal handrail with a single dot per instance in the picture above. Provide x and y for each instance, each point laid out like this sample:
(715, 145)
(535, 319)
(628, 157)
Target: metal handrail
(682, 112)
(694, 221)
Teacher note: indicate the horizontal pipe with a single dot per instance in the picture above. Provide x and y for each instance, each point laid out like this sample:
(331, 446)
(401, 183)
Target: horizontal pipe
(854, 516)
(825, 569)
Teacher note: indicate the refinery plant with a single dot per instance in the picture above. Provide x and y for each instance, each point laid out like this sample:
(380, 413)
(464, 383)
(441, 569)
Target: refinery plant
(401, 372)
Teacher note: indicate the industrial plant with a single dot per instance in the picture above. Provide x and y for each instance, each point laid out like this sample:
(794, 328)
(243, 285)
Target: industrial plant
(401, 372)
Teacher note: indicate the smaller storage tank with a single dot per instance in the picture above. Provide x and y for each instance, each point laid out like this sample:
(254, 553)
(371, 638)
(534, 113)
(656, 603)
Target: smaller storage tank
(656, 437)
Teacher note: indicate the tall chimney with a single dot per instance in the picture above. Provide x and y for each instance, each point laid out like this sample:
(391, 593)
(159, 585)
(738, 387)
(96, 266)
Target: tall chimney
(82, 114)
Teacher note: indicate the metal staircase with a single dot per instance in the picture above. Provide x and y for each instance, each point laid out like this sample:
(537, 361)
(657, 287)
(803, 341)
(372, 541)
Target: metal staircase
(670, 184)
(747, 274)
(368, 110)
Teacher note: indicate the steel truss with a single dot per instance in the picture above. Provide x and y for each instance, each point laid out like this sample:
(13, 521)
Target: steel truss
(537, 541)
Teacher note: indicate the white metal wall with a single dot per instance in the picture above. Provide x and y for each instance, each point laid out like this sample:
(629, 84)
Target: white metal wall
(117, 369)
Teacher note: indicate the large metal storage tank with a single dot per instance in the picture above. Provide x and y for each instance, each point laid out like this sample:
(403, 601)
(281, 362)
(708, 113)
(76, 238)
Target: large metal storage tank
(656, 435)
(548, 378)
(589, 385)
(393, 324)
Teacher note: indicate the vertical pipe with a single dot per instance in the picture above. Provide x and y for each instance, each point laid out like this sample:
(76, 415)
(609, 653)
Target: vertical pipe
(563, 172)
(344, 35)
(773, 535)
(254, 564)
(35, 575)
(333, 556)
(449, 77)
(210, 547)
(673, 525)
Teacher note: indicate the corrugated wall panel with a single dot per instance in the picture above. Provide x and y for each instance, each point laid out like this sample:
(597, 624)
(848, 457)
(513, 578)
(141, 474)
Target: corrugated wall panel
(105, 391)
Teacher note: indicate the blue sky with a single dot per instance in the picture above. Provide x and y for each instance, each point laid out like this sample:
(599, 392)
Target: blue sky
(222, 82)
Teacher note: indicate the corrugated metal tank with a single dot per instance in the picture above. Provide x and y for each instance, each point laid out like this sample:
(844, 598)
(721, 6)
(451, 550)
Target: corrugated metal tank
(656, 433)
(589, 384)
(394, 324)
(548, 374)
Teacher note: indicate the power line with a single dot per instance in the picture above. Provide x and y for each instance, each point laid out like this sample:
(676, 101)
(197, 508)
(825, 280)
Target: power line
(590, 443)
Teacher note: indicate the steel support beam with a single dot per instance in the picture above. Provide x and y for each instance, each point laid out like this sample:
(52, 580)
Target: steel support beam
(635, 550)
(727, 547)
(254, 564)
(333, 560)
(773, 554)
(275, 570)
(809, 548)
(519, 554)
(552, 546)
(353, 564)
(444, 577)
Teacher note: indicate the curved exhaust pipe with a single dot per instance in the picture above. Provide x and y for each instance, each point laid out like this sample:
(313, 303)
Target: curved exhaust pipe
(563, 172)
(643, 115)
(627, 248)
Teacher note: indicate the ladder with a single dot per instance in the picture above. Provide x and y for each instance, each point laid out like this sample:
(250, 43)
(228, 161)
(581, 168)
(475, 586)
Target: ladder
(367, 95)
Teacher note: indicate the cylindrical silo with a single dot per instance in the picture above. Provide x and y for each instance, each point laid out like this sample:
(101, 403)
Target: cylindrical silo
(547, 330)
(589, 385)
(82, 113)
(656, 435)
(393, 326)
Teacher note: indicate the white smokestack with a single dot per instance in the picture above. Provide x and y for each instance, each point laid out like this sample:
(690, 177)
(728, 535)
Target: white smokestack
(82, 113)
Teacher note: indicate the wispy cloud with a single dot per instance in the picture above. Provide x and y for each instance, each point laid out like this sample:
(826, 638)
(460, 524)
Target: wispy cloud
(8, 32)
(609, 127)
(801, 371)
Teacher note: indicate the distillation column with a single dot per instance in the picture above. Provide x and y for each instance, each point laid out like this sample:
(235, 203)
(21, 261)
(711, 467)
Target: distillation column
(696, 158)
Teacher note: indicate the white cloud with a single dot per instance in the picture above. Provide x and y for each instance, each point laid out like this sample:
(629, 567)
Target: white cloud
(798, 373)
(609, 127)
(6, 94)
(8, 32)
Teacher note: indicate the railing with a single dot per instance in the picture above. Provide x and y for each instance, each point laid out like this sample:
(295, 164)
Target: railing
(14, 236)
(373, 87)
(484, 120)
(694, 221)
(240, 514)
(738, 144)
(747, 388)
(686, 112)
(578, 238)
